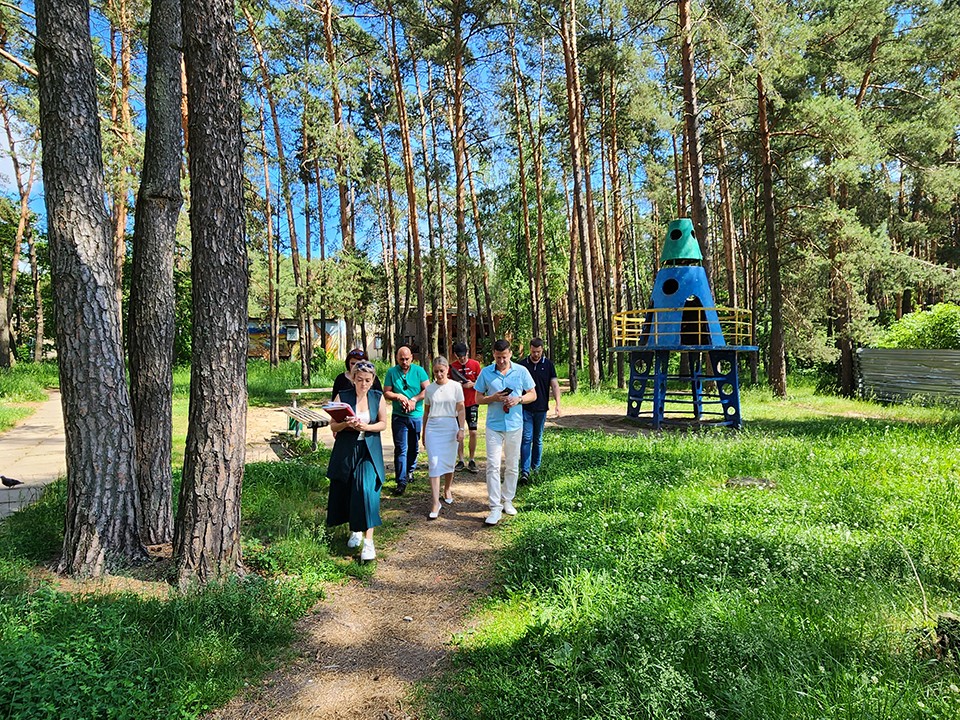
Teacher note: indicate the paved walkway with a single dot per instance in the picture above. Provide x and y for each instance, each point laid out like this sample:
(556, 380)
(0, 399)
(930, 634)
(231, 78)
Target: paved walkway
(34, 452)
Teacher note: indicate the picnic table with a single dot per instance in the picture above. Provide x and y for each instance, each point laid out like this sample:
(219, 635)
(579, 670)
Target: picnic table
(300, 417)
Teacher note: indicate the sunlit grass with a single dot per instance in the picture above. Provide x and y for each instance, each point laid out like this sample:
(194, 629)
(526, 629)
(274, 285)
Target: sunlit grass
(635, 582)
(21, 385)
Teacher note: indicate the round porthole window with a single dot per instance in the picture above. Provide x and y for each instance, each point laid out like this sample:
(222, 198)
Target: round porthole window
(670, 286)
(676, 234)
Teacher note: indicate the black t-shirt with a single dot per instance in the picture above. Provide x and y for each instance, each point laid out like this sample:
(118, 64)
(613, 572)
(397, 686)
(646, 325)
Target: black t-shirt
(543, 372)
(343, 383)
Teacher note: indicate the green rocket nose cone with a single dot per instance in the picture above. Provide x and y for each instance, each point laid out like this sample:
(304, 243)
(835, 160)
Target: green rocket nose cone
(680, 243)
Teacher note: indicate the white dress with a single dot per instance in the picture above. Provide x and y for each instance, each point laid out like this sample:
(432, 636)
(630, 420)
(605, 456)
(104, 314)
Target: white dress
(442, 426)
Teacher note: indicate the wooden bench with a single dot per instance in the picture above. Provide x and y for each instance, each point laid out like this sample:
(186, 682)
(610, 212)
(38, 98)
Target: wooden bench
(309, 418)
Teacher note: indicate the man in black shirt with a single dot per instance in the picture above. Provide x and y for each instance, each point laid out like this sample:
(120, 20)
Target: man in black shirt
(535, 413)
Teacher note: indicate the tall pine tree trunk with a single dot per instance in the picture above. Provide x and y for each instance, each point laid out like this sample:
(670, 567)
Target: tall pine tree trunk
(409, 177)
(481, 252)
(585, 229)
(532, 273)
(693, 142)
(340, 160)
(726, 221)
(778, 363)
(8, 338)
(101, 528)
(273, 309)
(207, 538)
(151, 288)
(286, 180)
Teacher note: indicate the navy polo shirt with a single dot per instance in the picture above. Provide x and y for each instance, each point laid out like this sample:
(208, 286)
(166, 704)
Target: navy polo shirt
(542, 372)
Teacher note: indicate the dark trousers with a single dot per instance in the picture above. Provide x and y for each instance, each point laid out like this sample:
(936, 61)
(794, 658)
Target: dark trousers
(406, 444)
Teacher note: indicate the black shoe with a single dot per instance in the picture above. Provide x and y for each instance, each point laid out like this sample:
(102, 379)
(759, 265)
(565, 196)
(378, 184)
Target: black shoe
(410, 477)
(459, 467)
(524, 478)
(401, 489)
(472, 467)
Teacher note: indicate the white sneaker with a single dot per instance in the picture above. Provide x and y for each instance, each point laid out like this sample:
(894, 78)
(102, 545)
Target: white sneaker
(493, 518)
(369, 552)
(355, 539)
(508, 508)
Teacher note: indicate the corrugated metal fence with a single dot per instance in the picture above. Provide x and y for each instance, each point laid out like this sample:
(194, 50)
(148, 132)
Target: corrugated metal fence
(895, 374)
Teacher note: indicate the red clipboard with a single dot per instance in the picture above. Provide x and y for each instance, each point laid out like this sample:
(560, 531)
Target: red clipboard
(338, 411)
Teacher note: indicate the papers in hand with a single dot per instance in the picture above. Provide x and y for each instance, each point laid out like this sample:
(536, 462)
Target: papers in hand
(338, 411)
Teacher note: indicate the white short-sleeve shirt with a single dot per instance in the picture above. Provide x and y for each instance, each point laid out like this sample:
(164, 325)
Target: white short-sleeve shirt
(443, 399)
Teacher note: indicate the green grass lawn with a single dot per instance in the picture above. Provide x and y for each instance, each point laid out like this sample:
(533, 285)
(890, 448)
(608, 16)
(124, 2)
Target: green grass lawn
(159, 654)
(22, 385)
(635, 583)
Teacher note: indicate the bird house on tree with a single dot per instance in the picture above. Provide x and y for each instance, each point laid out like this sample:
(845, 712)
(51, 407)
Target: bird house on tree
(684, 349)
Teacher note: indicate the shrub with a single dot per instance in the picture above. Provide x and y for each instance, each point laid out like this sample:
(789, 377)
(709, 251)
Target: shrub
(935, 329)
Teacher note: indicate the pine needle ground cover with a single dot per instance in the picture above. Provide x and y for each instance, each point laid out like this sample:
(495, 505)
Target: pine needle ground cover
(792, 570)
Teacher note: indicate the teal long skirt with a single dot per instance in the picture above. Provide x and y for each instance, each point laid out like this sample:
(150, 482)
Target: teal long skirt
(356, 501)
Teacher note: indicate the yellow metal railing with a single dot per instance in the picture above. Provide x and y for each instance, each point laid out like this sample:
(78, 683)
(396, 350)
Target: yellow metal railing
(651, 327)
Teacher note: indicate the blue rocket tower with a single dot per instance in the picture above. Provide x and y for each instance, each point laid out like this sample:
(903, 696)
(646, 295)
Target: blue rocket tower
(684, 349)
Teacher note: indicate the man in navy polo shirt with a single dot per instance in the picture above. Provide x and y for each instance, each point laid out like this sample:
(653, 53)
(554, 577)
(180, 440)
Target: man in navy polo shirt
(535, 414)
(502, 387)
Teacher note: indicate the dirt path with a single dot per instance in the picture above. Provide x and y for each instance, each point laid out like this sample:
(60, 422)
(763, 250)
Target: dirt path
(368, 642)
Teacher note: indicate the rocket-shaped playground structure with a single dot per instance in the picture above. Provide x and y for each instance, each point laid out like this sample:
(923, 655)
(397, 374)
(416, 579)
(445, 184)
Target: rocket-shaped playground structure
(683, 350)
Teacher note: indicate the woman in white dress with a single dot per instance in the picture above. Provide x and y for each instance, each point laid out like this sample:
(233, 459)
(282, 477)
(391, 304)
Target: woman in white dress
(444, 419)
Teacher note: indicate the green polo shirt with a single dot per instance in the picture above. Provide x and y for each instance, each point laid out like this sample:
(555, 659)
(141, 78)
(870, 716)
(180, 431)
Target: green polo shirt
(407, 384)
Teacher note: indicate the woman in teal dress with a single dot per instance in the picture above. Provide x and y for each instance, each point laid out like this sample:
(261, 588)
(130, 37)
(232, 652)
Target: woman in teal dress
(356, 469)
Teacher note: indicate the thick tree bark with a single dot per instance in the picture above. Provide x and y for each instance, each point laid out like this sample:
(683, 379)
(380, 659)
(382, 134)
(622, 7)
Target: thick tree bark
(151, 289)
(101, 529)
(778, 363)
(207, 540)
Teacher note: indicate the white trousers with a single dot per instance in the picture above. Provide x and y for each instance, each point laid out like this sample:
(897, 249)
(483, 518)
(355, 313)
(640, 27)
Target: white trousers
(502, 445)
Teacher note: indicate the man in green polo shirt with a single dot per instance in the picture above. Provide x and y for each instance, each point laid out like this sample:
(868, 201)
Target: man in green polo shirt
(405, 384)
